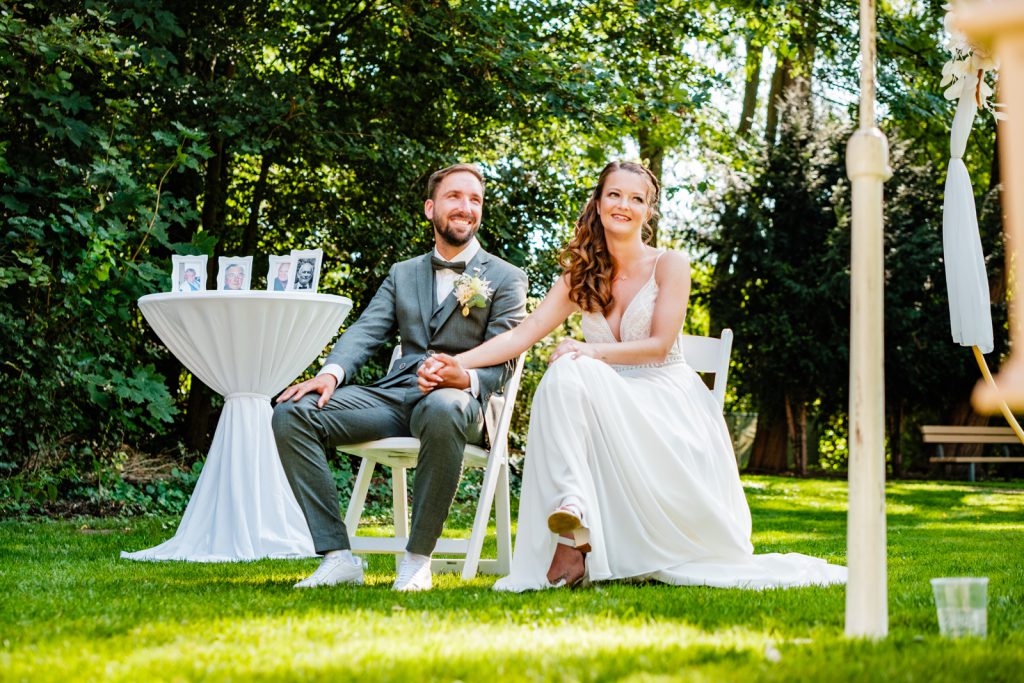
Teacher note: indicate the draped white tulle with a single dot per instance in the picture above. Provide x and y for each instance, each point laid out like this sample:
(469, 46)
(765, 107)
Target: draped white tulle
(645, 453)
(246, 346)
(970, 310)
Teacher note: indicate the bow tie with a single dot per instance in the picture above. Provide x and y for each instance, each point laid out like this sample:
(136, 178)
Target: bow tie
(441, 264)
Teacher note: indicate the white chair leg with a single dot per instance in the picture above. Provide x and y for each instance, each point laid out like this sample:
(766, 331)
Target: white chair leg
(483, 514)
(401, 507)
(358, 499)
(503, 523)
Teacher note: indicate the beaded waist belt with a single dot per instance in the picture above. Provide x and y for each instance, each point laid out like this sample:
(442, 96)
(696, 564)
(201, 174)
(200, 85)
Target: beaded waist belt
(673, 358)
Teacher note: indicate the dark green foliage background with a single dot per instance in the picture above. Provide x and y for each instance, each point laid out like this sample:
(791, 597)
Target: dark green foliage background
(131, 130)
(134, 129)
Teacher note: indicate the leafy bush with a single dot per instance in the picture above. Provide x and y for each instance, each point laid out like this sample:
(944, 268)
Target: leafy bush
(85, 235)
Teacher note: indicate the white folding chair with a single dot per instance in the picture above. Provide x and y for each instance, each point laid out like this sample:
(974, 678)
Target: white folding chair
(710, 355)
(400, 454)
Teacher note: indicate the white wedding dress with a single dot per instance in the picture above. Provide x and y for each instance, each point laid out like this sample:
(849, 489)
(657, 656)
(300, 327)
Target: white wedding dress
(644, 452)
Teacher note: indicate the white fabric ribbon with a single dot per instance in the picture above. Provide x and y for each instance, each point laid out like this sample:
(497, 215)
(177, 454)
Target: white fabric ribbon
(246, 394)
(970, 314)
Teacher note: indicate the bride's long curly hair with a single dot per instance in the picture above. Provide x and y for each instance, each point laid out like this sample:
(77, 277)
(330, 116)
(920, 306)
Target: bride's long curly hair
(586, 258)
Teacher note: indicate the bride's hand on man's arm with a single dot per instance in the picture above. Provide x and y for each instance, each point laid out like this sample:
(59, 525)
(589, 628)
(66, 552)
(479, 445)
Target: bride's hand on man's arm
(574, 348)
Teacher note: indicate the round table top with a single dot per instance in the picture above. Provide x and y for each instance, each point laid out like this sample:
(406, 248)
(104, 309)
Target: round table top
(248, 341)
(256, 294)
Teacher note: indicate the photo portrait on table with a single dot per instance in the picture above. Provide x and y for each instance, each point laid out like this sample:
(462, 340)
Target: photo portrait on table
(188, 274)
(279, 270)
(235, 273)
(305, 273)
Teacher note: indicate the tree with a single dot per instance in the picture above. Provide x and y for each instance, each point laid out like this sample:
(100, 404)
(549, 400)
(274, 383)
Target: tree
(780, 278)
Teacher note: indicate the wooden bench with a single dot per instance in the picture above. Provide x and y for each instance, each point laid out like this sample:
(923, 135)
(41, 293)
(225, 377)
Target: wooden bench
(943, 434)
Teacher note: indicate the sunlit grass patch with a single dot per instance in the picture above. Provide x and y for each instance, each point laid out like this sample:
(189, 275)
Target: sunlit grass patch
(72, 610)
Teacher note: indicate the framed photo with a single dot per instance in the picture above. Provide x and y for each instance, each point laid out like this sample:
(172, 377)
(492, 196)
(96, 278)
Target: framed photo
(305, 276)
(278, 273)
(234, 273)
(188, 273)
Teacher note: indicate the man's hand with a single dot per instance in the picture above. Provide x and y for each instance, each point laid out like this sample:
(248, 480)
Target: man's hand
(441, 371)
(324, 385)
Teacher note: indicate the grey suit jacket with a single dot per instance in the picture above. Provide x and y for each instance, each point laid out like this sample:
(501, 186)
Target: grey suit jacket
(405, 303)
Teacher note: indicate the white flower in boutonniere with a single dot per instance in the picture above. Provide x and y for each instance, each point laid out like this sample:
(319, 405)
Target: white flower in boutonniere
(472, 291)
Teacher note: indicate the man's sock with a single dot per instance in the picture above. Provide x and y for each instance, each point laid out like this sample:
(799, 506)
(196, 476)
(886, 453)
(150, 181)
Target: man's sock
(416, 560)
(342, 554)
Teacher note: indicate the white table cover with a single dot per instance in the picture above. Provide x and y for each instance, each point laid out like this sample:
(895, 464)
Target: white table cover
(246, 346)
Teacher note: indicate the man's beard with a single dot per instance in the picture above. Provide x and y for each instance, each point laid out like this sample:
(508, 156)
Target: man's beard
(444, 229)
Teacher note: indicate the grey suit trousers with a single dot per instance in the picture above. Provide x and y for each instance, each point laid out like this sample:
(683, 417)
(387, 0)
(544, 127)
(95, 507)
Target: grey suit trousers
(444, 421)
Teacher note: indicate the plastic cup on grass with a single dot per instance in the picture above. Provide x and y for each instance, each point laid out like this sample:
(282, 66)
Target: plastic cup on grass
(962, 604)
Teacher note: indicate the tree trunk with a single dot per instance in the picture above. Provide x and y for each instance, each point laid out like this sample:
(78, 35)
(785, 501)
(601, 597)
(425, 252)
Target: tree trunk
(781, 80)
(807, 48)
(793, 79)
(796, 426)
(213, 199)
(251, 234)
(200, 408)
(654, 154)
(894, 424)
(993, 176)
(768, 454)
(999, 269)
(801, 435)
(753, 71)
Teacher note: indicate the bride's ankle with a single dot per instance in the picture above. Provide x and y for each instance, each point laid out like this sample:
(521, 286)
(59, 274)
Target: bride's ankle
(567, 522)
(568, 565)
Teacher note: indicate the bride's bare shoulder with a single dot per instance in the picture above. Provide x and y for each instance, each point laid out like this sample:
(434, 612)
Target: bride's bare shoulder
(673, 263)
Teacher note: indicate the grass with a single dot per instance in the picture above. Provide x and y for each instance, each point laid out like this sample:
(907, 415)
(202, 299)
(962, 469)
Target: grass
(71, 610)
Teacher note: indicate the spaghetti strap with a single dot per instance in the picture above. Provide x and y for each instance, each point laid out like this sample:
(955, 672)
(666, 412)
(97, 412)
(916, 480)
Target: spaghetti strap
(654, 270)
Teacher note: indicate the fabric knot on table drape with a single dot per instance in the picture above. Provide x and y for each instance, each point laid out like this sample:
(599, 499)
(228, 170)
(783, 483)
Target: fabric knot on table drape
(246, 394)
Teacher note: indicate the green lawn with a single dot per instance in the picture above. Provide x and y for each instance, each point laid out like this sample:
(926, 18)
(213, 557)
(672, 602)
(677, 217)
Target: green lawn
(70, 609)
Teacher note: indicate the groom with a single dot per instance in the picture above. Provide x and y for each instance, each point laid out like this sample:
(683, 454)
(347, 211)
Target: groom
(419, 301)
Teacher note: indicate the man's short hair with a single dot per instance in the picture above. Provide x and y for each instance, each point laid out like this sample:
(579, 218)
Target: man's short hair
(437, 176)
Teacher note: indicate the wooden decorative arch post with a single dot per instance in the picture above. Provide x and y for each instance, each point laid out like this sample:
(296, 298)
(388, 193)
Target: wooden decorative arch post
(1001, 24)
(867, 165)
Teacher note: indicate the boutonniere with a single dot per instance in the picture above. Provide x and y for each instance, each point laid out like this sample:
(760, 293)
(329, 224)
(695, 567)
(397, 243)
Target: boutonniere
(472, 291)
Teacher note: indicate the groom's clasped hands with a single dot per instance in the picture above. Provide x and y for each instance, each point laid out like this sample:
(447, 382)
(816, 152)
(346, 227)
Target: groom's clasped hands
(440, 370)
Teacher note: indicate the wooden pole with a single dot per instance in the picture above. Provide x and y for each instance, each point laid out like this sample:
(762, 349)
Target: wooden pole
(867, 165)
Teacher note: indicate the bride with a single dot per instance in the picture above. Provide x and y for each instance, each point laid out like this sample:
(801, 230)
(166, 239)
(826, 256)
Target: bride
(630, 471)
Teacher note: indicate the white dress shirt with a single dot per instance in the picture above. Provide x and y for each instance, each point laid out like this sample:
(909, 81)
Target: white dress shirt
(444, 283)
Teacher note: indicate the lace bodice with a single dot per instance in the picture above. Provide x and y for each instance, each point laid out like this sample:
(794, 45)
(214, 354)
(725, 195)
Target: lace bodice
(635, 323)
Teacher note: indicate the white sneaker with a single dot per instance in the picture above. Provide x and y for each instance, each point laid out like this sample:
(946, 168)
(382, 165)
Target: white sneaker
(413, 575)
(335, 570)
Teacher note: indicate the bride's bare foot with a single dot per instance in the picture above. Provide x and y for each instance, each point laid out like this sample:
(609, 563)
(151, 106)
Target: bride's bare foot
(569, 565)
